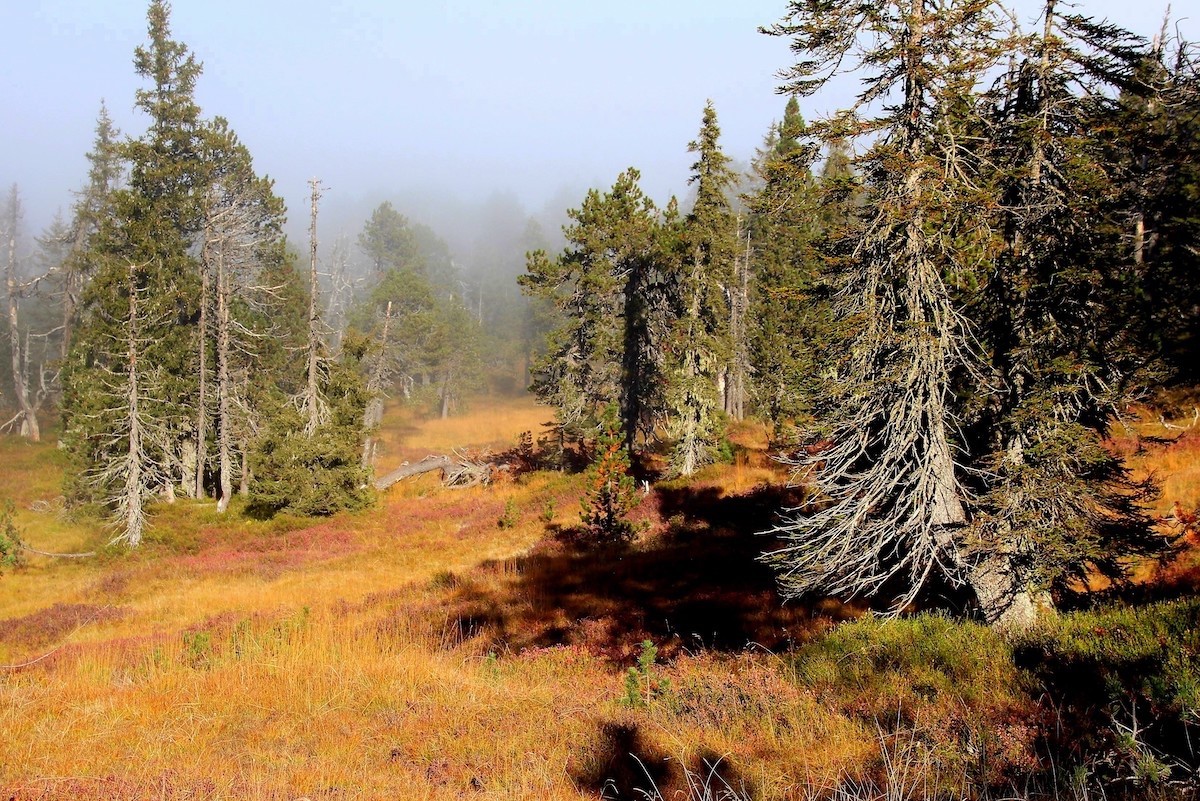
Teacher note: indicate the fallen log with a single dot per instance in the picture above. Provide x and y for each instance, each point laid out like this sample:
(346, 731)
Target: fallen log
(460, 470)
(407, 470)
(84, 555)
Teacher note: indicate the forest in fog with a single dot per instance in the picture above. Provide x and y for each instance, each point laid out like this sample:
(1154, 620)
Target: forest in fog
(865, 467)
(938, 298)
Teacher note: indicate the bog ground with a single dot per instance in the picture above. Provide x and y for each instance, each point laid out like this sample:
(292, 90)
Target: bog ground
(452, 643)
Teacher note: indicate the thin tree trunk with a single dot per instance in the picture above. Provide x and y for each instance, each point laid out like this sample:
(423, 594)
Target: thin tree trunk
(373, 415)
(196, 488)
(135, 518)
(312, 398)
(739, 367)
(20, 367)
(446, 394)
(224, 386)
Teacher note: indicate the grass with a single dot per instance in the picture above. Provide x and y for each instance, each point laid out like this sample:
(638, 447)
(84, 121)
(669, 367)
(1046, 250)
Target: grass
(452, 643)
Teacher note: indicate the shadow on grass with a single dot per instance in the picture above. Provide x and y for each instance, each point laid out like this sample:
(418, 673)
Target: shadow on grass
(695, 583)
(619, 765)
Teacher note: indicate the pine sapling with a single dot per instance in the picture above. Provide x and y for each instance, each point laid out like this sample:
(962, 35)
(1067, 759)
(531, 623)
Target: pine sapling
(611, 493)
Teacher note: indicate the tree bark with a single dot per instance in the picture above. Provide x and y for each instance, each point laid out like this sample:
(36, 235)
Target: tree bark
(224, 386)
(312, 401)
(404, 471)
(134, 480)
(196, 488)
(20, 367)
(373, 415)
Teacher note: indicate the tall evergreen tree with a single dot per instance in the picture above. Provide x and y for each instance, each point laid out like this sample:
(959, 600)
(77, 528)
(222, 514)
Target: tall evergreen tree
(785, 308)
(389, 242)
(1054, 504)
(700, 341)
(242, 250)
(146, 278)
(603, 289)
(1151, 144)
(93, 204)
(896, 503)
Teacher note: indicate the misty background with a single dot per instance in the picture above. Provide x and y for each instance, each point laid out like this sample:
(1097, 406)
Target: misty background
(485, 121)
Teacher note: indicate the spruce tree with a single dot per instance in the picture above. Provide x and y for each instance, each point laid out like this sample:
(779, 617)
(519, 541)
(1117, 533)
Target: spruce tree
(92, 206)
(606, 290)
(786, 309)
(1053, 504)
(242, 247)
(700, 339)
(895, 502)
(138, 309)
(609, 494)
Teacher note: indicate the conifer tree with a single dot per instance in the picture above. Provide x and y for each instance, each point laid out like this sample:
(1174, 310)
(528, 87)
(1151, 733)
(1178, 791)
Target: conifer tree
(786, 311)
(610, 494)
(604, 286)
(1151, 146)
(389, 243)
(699, 344)
(242, 245)
(895, 501)
(1054, 504)
(92, 206)
(138, 307)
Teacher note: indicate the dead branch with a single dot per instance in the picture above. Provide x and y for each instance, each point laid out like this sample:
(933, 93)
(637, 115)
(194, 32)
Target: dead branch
(85, 555)
(1171, 427)
(458, 470)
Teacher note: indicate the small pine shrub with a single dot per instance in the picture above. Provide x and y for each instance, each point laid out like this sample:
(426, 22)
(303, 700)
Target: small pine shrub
(548, 512)
(509, 518)
(11, 551)
(610, 493)
(643, 686)
(197, 649)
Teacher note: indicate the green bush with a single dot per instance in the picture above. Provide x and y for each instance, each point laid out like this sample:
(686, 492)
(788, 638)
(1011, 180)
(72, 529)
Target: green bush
(1125, 687)
(12, 554)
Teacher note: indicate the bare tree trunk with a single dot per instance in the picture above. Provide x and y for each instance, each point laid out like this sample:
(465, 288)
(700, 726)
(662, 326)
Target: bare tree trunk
(340, 295)
(134, 495)
(244, 484)
(196, 488)
(224, 387)
(688, 449)
(20, 367)
(739, 368)
(373, 415)
(312, 406)
(446, 395)
(72, 287)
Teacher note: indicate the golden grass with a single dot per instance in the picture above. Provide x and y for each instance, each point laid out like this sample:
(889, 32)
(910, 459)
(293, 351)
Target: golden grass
(417, 649)
(234, 658)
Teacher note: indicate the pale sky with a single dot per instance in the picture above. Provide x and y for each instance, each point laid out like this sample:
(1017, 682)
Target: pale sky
(403, 100)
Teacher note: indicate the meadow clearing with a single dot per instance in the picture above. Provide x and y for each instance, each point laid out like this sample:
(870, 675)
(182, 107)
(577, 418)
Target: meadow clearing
(450, 643)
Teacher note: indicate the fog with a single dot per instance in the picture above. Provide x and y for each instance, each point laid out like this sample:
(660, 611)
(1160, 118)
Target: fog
(462, 114)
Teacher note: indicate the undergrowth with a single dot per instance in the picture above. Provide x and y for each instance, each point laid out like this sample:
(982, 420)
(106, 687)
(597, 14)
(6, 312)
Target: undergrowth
(453, 644)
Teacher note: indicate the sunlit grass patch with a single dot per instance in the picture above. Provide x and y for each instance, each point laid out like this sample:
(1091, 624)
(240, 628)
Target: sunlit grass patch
(451, 643)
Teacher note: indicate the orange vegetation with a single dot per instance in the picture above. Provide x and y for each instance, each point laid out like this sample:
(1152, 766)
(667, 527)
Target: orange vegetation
(415, 650)
(421, 649)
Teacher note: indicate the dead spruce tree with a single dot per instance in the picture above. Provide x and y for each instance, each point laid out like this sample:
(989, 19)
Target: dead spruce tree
(311, 402)
(28, 399)
(892, 498)
(242, 240)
